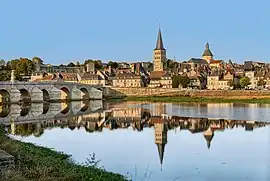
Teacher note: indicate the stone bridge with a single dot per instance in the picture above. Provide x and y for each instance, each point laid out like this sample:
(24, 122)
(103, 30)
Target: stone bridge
(47, 111)
(47, 91)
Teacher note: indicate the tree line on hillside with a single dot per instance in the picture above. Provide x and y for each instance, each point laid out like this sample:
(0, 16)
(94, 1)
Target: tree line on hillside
(25, 67)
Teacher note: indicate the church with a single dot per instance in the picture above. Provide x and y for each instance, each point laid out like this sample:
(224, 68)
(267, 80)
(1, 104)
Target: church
(159, 77)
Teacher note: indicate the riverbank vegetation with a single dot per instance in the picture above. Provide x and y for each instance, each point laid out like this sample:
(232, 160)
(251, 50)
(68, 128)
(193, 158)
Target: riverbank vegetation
(197, 99)
(38, 163)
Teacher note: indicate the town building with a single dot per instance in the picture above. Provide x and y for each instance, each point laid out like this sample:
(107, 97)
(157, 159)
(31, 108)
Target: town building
(127, 80)
(89, 78)
(215, 81)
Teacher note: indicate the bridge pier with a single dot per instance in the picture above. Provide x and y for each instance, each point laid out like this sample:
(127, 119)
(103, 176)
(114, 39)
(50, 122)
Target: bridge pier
(36, 95)
(76, 94)
(15, 95)
(54, 94)
(54, 108)
(76, 107)
(36, 109)
(95, 105)
(15, 111)
(94, 93)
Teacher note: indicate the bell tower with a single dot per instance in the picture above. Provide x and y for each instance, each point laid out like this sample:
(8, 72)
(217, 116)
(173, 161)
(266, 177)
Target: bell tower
(159, 54)
(207, 54)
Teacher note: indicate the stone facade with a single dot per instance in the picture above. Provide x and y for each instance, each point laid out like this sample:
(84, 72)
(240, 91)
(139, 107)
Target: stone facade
(127, 80)
(214, 83)
(53, 90)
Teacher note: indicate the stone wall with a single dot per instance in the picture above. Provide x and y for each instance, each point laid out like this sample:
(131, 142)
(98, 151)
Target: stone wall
(141, 92)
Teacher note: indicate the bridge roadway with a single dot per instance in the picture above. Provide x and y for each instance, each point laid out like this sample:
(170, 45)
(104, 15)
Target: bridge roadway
(47, 91)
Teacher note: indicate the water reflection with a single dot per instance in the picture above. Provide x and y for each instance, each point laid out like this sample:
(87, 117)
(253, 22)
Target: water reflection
(136, 118)
(148, 132)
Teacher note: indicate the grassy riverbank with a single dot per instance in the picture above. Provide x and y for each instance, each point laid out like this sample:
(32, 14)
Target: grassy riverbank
(38, 163)
(197, 99)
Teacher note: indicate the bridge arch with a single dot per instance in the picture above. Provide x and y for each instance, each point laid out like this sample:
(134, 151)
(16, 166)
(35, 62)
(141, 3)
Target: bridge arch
(4, 96)
(46, 107)
(46, 95)
(84, 108)
(25, 95)
(66, 108)
(25, 109)
(65, 93)
(85, 92)
(5, 110)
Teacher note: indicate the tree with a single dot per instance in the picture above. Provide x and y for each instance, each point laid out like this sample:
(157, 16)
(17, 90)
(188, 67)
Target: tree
(22, 66)
(98, 63)
(71, 64)
(184, 81)
(244, 81)
(113, 64)
(180, 80)
(261, 82)
(2, 62)
(78, 64)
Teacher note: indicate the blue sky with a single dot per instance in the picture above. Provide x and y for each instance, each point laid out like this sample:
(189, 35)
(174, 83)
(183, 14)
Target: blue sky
(60, 31)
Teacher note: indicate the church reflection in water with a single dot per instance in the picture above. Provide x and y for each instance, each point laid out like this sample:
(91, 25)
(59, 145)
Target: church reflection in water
(91, 117)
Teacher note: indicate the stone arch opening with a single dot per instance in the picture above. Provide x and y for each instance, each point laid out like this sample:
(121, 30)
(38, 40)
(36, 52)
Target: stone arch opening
(65, 94)
(85, 93)
(25, 108)
(46, 96)
(25, 96)
(84, 108)
(46, 107)
(4, 96)
(66, 108)
(5, 110)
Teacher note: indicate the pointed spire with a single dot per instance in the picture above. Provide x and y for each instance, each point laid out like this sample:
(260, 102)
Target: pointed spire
(207, 51)
(159, 45)
(208, 138)
(161, 149)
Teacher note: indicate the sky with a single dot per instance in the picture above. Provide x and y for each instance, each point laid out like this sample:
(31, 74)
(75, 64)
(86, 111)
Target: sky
(126, 30)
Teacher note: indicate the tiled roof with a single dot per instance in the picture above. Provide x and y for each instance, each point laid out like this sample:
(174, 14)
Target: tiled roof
(127, 76)
(89, 76)
(197, 61)
(158, 75)
(69, 76)
(216, 61)
(155, 119)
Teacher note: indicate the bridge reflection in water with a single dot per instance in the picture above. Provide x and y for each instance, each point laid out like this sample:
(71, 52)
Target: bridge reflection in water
(35, 119)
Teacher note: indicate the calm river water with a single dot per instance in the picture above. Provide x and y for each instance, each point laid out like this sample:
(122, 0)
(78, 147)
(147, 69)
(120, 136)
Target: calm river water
(153, 141)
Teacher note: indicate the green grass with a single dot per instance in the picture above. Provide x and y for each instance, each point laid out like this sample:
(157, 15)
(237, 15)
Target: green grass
(196, 99)
(38, 163)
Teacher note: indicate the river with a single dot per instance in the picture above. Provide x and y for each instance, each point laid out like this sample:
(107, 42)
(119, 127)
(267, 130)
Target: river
(153, 141)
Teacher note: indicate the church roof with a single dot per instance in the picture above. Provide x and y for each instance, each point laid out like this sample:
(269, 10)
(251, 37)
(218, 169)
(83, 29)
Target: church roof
(197, 61)
(207, 51)
(159, 45)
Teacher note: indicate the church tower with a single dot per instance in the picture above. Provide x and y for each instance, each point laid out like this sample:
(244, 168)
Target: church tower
(207, 54)
(208, 135)
(159, 54)
(161, 138)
